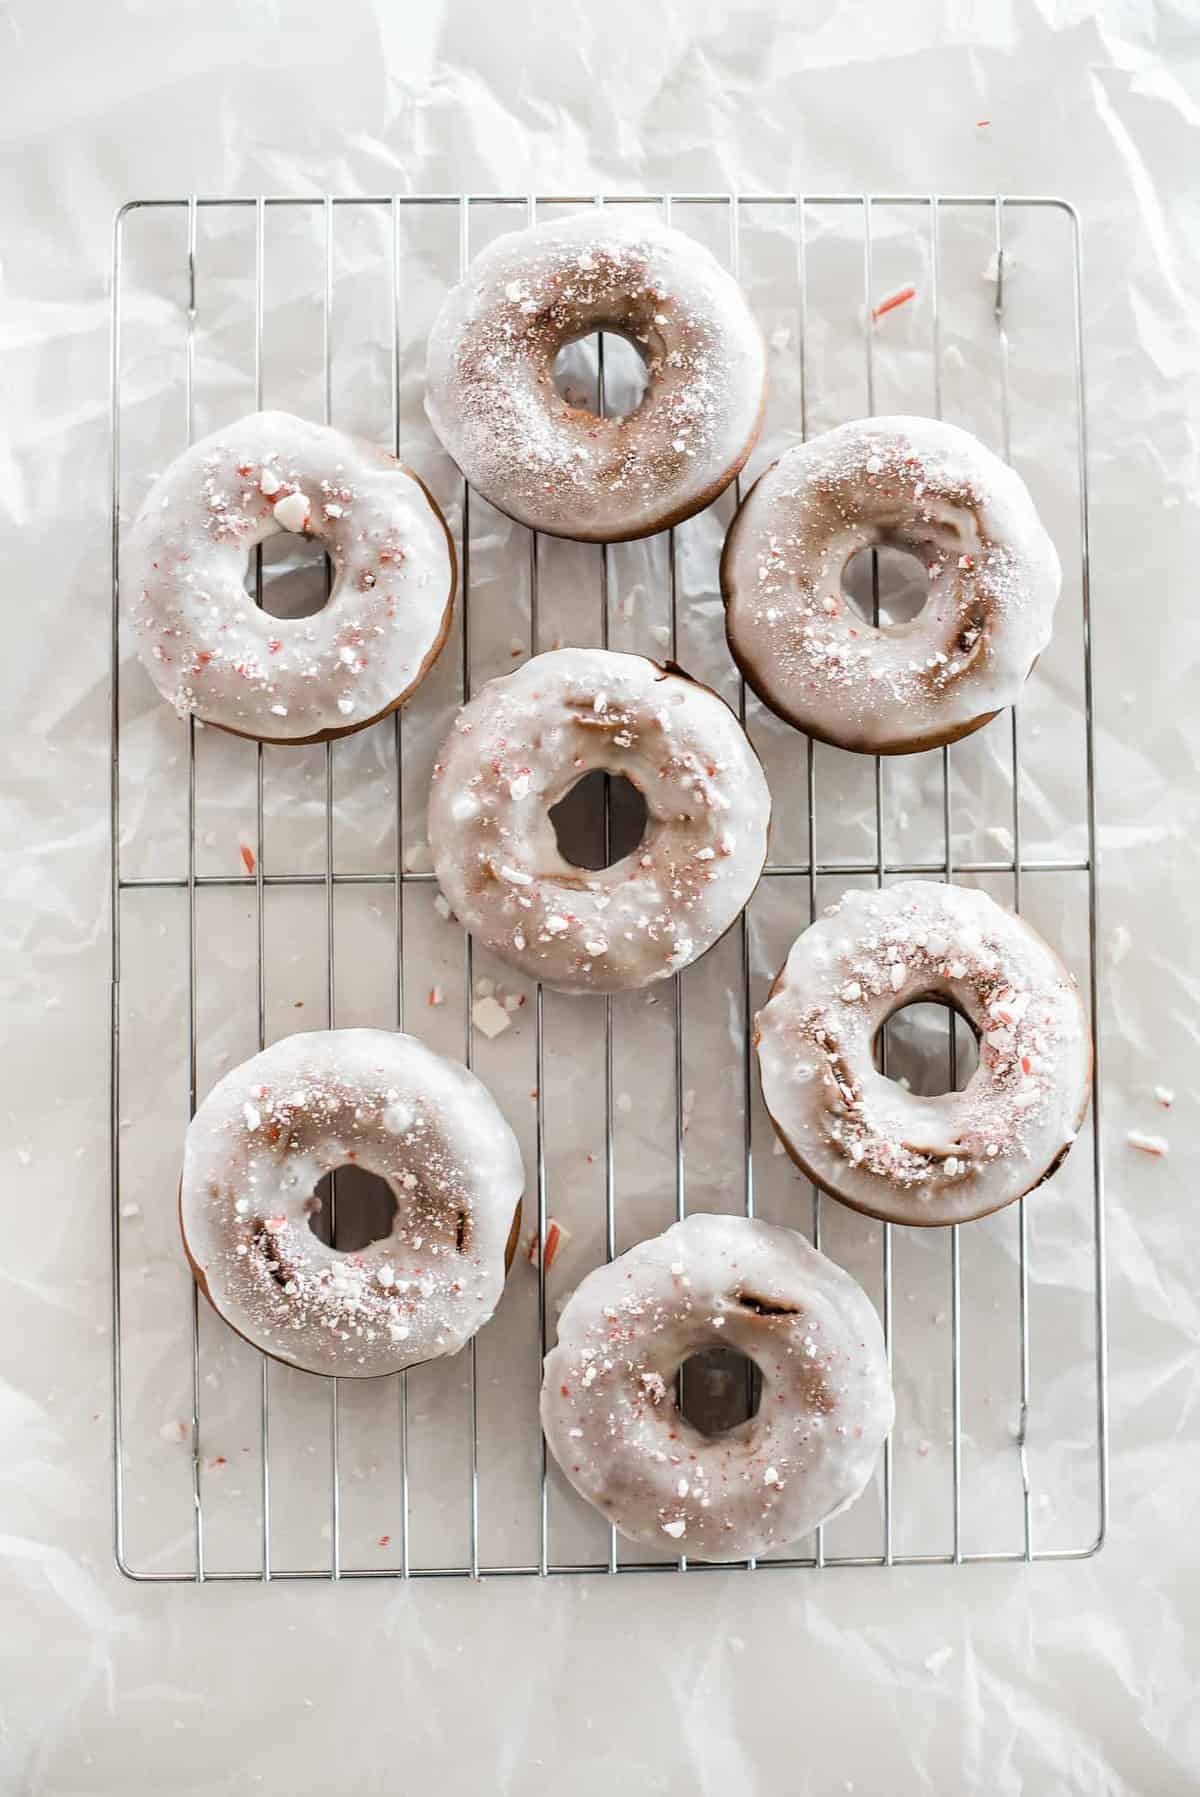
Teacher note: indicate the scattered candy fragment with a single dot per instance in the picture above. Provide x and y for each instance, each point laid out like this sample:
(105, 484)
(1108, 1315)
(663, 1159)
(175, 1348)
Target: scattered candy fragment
(901, 297)
(556, 1235)
(292, 512)
(490, 1017)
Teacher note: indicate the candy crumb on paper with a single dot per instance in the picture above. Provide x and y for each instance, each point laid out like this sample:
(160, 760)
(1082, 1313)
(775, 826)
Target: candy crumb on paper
(556, 1235)
(490, 1017)
(901, 297)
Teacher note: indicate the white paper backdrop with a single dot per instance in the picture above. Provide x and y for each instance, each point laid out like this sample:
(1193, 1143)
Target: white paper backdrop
(1070, 1678)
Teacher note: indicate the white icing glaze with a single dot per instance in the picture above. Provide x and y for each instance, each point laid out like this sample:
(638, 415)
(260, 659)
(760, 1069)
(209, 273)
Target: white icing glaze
(862, 1137)
(207, 646)
(490, 391)
(521, 745)
(914, 484)
(273, 1127)
(608, 1397)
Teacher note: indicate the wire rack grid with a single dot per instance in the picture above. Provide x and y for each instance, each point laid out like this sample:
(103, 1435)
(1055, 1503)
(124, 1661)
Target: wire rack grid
(803, 874)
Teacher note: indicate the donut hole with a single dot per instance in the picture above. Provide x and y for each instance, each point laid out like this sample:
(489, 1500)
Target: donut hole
(577, 370)
(718, 1389)
(896, 574)
(915, 1045)
(579, 820)
(350, 1208)
(296, 576)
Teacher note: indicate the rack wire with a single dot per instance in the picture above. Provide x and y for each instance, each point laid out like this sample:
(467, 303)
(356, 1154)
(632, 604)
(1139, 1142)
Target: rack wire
(795, 875)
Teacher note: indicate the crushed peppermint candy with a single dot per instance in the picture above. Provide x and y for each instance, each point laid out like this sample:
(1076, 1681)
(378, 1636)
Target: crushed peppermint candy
(556, 1235)
(292, 512)
(490, 1017)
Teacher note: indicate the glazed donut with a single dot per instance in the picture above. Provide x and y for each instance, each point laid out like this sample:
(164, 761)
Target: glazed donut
(273, 1127)
(490, 391)
(609, 1405)
(864, 1138)
(520, 746)
(207, 646)
(913, 484)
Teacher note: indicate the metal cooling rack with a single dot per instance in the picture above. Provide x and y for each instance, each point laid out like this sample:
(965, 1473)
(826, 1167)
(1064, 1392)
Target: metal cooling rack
(931, 211)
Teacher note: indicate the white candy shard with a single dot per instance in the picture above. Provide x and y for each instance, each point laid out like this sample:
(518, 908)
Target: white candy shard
(292, 512)
(490, 1017)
